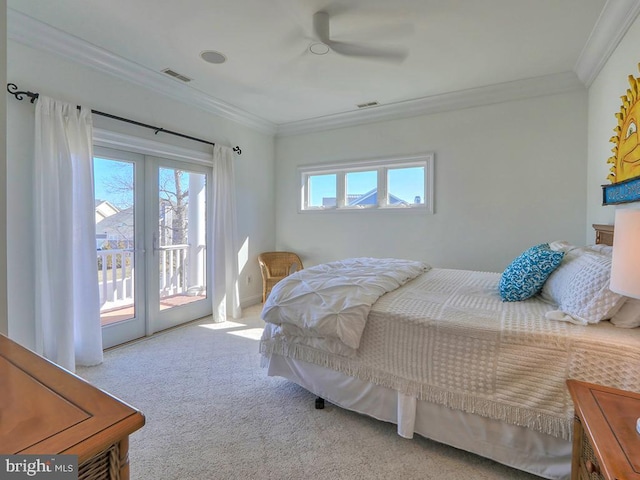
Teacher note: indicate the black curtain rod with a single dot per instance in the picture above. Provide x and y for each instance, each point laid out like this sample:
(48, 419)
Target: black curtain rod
(12, 88)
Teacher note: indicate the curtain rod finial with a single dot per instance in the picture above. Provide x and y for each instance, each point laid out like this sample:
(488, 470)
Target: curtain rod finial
(12, 88)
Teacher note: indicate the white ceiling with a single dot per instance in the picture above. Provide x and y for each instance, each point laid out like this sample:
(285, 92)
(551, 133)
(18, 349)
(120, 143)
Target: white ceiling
(452, 45)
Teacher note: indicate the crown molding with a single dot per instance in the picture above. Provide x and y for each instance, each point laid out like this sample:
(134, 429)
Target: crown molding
(38, 35)
(474, 97)
(614, 21)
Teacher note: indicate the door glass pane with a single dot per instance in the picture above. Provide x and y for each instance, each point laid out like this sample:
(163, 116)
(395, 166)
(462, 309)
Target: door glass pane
(405, 186)
(181, 237)
(115, 240)
(362, 188)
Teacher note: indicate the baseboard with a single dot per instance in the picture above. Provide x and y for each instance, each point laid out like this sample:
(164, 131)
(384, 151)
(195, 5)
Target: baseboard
(250, 301)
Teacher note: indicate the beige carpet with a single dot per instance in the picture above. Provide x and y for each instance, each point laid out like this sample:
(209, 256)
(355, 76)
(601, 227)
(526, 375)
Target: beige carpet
(212, 413)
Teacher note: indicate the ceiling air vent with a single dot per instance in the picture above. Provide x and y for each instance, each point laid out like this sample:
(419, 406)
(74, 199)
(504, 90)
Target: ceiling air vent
(368, 104)
(174, 74)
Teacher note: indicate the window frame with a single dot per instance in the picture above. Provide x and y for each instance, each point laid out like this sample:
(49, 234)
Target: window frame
(382, 166)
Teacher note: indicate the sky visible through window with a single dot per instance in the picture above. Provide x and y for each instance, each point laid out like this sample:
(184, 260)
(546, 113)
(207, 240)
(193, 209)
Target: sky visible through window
(404, 183)
(109, 174)
(114, 180)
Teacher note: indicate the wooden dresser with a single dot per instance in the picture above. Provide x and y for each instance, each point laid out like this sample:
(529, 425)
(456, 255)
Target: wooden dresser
(605, 442)
(46, 410)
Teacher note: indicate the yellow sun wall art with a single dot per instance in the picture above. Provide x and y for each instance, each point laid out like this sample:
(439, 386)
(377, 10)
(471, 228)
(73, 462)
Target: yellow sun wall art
(626, 152)
(624, 173)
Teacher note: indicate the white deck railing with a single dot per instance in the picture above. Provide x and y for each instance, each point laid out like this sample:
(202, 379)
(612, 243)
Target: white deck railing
(173, 270)
(116, 274)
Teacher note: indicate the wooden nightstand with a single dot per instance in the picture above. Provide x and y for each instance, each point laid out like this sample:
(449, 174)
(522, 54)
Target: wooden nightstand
(605, 442)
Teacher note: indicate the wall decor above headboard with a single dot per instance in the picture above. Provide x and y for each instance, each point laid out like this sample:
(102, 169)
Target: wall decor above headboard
(624, 173)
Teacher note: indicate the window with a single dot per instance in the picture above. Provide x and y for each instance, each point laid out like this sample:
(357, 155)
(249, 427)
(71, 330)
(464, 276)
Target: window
(385, 184)
(322, 188)
(361, 188)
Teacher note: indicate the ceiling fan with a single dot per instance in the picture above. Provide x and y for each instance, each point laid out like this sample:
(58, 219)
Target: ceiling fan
(324, 44)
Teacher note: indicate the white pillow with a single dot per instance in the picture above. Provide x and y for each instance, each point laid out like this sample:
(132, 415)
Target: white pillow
(555, 284)
(603, 249)
(629, 314)
(561, 246)
(580, 288)
(566, 247)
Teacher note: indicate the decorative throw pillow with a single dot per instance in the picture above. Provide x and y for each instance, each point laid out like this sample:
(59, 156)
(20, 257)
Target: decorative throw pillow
(526, 275)
(580, 288)
(629, 314)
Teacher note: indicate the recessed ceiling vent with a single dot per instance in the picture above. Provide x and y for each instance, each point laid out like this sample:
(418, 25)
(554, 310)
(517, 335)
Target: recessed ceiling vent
(175, 74)
(368, 104)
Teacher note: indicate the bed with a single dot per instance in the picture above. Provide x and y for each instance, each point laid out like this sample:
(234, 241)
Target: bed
(443, 356)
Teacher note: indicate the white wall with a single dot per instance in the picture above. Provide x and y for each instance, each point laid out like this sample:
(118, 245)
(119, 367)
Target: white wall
(604, 102)
(507, 176)
(4, 324)
(36, 71)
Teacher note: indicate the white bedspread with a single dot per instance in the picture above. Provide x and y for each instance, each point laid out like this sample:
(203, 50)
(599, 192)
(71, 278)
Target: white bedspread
(330, 303)
(446, 337)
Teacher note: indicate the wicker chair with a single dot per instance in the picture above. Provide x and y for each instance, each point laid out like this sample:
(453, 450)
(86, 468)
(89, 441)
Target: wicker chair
(275, 266)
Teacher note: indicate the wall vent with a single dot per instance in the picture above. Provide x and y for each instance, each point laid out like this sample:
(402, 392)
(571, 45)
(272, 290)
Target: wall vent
(175, 74)
(368, 104)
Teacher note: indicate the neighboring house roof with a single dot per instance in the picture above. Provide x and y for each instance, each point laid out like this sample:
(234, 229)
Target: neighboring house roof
(117, 226)
(369, 198)
(104, 209)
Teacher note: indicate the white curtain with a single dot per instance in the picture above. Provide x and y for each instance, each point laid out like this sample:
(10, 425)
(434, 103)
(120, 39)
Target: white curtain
(224, 237)
(67, 299)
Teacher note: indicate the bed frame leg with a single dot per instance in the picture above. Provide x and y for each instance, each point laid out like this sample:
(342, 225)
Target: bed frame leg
(319, 403)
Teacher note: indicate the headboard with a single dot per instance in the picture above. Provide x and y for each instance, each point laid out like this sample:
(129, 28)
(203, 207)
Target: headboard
(604, 234)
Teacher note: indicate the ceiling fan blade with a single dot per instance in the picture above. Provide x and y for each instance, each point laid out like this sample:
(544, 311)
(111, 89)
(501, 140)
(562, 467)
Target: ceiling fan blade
(321, 26)
(382, 33)
(395, 55)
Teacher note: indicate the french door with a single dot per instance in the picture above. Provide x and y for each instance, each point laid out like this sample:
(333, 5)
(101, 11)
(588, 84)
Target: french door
(152, 218)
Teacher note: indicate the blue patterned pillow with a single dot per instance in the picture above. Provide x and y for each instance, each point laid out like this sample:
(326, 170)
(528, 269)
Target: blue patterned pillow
(527, 273)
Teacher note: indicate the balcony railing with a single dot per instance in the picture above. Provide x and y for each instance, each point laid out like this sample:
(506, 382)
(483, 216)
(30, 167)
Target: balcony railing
(173, 270)
(116, 274)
